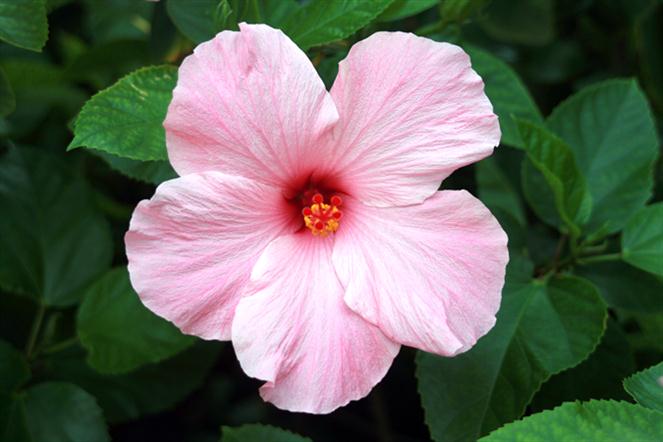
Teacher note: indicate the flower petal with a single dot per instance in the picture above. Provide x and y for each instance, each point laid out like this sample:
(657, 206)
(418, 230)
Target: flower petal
(294, 331)
(430, 275)
(248, 103)
(192, 246)
(411, 112)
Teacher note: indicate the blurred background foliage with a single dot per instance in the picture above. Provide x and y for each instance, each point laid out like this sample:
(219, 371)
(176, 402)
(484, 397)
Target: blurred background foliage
(82, 360)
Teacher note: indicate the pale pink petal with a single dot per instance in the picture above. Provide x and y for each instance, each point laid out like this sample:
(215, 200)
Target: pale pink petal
(430, 275)
(248, 103)
(192, 246)
(411, 112)
(294, 331)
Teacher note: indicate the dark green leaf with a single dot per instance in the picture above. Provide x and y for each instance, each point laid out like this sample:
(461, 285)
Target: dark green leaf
(624, 286)
(528, 22)
(598, 377)
(611, 133)
(23, 23)
(320, 21)
(150, 389)
(7, 99)
(110, 20)
(39, 87)
(646, 387)
(53, 242)
(199, 20)
(457, 11)
(649, 44)
(53, 412)
(259, 433)
(496, 191)
(541, 330)
(554, 159)
(126, 119)
(605, 421)
(153, 172)
(642, 240)
(507, 93)
(119, 332)
(14, 370)
(400, 9)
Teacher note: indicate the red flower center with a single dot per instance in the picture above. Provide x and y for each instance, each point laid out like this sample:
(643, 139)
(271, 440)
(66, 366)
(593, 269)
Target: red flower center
(322, 218)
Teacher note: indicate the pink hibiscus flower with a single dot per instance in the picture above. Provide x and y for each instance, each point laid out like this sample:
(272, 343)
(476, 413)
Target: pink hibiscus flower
(307, 226)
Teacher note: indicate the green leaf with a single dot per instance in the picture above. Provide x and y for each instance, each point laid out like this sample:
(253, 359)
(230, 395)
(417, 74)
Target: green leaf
(554, 159)
(53, 412)
(148, 390)
(541, 330)
(23, 23)
(648, 37)
(39, 87)
(7, 99)
(118, 19)
(642, 240)
(199, 20)
(527, 22)
(401, 9)
(53, 241)
(119, 332)
(646, 387)
(646, 335)
(598, 377)
(458, 11)
(153, 172)
(626, 287)
(127, 118)
(605, 421)
(14, 370)
(259, 433)
(610, 129)
(321, 21)
(507, 93)
(496, 191)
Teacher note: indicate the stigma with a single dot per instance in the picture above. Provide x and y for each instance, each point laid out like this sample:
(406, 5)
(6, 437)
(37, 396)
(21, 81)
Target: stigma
(323, 218)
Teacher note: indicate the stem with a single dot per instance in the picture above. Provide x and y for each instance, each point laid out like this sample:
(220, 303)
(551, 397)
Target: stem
(34, 332)
(61, 345)
(600, 258)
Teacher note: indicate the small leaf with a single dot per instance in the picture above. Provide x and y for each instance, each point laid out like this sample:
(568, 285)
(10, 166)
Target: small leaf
(646, 387)
(53, 412)
(541, 330)
(610, 130)
(259, 433)
(507, 93)
(199, 20)
(624, 286)
(554, 159)
(53, 242)
(642, 240)
(7, 99)
(14, 370)
(150, 389)
(606, 421)
(127, 118)
(401, 9)
(120, 333)
(23, 23)
(321, 21)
